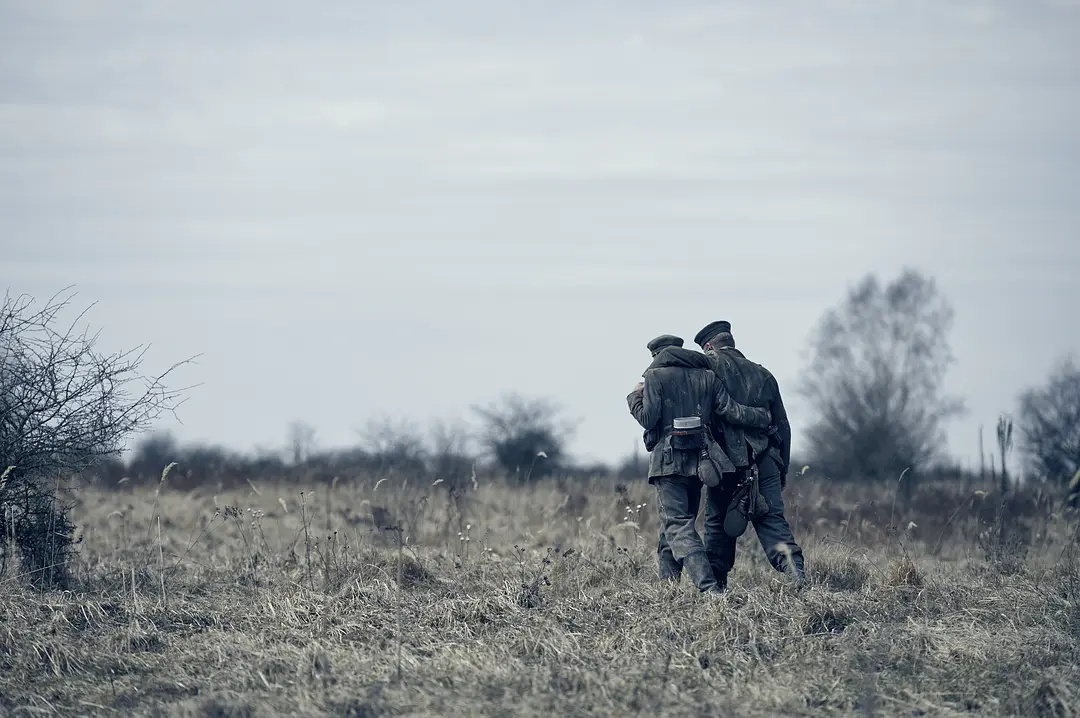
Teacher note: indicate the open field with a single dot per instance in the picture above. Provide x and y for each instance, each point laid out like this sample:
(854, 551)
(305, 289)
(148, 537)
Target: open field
(540, 601)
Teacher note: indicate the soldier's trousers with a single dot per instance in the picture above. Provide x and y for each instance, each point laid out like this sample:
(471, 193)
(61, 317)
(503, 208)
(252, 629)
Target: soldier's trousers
(772, 528)
(678, 499)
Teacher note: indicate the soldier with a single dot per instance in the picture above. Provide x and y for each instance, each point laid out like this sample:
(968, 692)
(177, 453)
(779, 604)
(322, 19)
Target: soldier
(670, 569)
(749, 448)
(679, 404)
(649, 437)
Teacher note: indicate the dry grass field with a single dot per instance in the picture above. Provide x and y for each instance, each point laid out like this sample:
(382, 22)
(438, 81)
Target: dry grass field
(370, 600)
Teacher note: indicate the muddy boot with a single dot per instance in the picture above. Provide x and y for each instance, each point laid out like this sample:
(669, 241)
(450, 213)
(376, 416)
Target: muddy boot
(700, 570)
(669, 567)
(665, 576)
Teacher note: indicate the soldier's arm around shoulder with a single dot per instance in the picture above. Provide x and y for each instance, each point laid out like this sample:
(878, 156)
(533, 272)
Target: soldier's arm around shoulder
(647, 405)
(734, 413)
(634, 401)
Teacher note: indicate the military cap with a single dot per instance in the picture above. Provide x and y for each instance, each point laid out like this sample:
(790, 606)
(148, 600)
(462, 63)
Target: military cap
(710, 331)
(664, 340)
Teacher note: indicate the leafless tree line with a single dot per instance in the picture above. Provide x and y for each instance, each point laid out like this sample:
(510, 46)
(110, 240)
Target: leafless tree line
(517, 437)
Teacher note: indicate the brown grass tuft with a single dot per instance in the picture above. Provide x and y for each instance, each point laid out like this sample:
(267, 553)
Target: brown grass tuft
(903, 572)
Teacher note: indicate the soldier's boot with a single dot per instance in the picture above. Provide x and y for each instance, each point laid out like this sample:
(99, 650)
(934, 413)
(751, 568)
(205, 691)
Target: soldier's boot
(701, 573)
(670, 573)
(796, 569)
(720, 570)
(669, 568)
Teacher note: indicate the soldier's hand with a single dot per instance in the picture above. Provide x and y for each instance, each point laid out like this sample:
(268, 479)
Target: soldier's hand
(783, 481)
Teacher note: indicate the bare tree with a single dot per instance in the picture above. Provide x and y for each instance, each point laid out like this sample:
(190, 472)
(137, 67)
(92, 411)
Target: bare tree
(876, 379)
(1049, 424)
(450, 455)
(525, 437)
(396, 446)
(300, 440)
(64, 406)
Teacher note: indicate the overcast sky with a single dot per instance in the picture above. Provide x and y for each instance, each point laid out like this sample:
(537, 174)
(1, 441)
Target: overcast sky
(358, 209)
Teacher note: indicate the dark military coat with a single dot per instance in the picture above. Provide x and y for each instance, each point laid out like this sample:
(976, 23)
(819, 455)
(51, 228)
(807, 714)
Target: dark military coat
(753, 385)
(672, 389)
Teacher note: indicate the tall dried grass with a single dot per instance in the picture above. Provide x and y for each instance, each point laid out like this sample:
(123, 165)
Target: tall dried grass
(369, 598)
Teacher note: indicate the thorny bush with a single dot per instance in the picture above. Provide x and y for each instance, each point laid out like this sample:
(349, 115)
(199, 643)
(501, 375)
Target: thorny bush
(64, 406)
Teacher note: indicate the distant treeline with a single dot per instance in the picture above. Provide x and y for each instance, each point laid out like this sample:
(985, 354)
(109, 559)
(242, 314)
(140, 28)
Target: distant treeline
(406, 457)
(519, 439)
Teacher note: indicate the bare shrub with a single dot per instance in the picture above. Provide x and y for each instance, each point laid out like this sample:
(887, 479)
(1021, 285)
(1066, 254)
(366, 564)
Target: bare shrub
(396, 447)
(64, 407)
(526, 438)
(449, 456)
